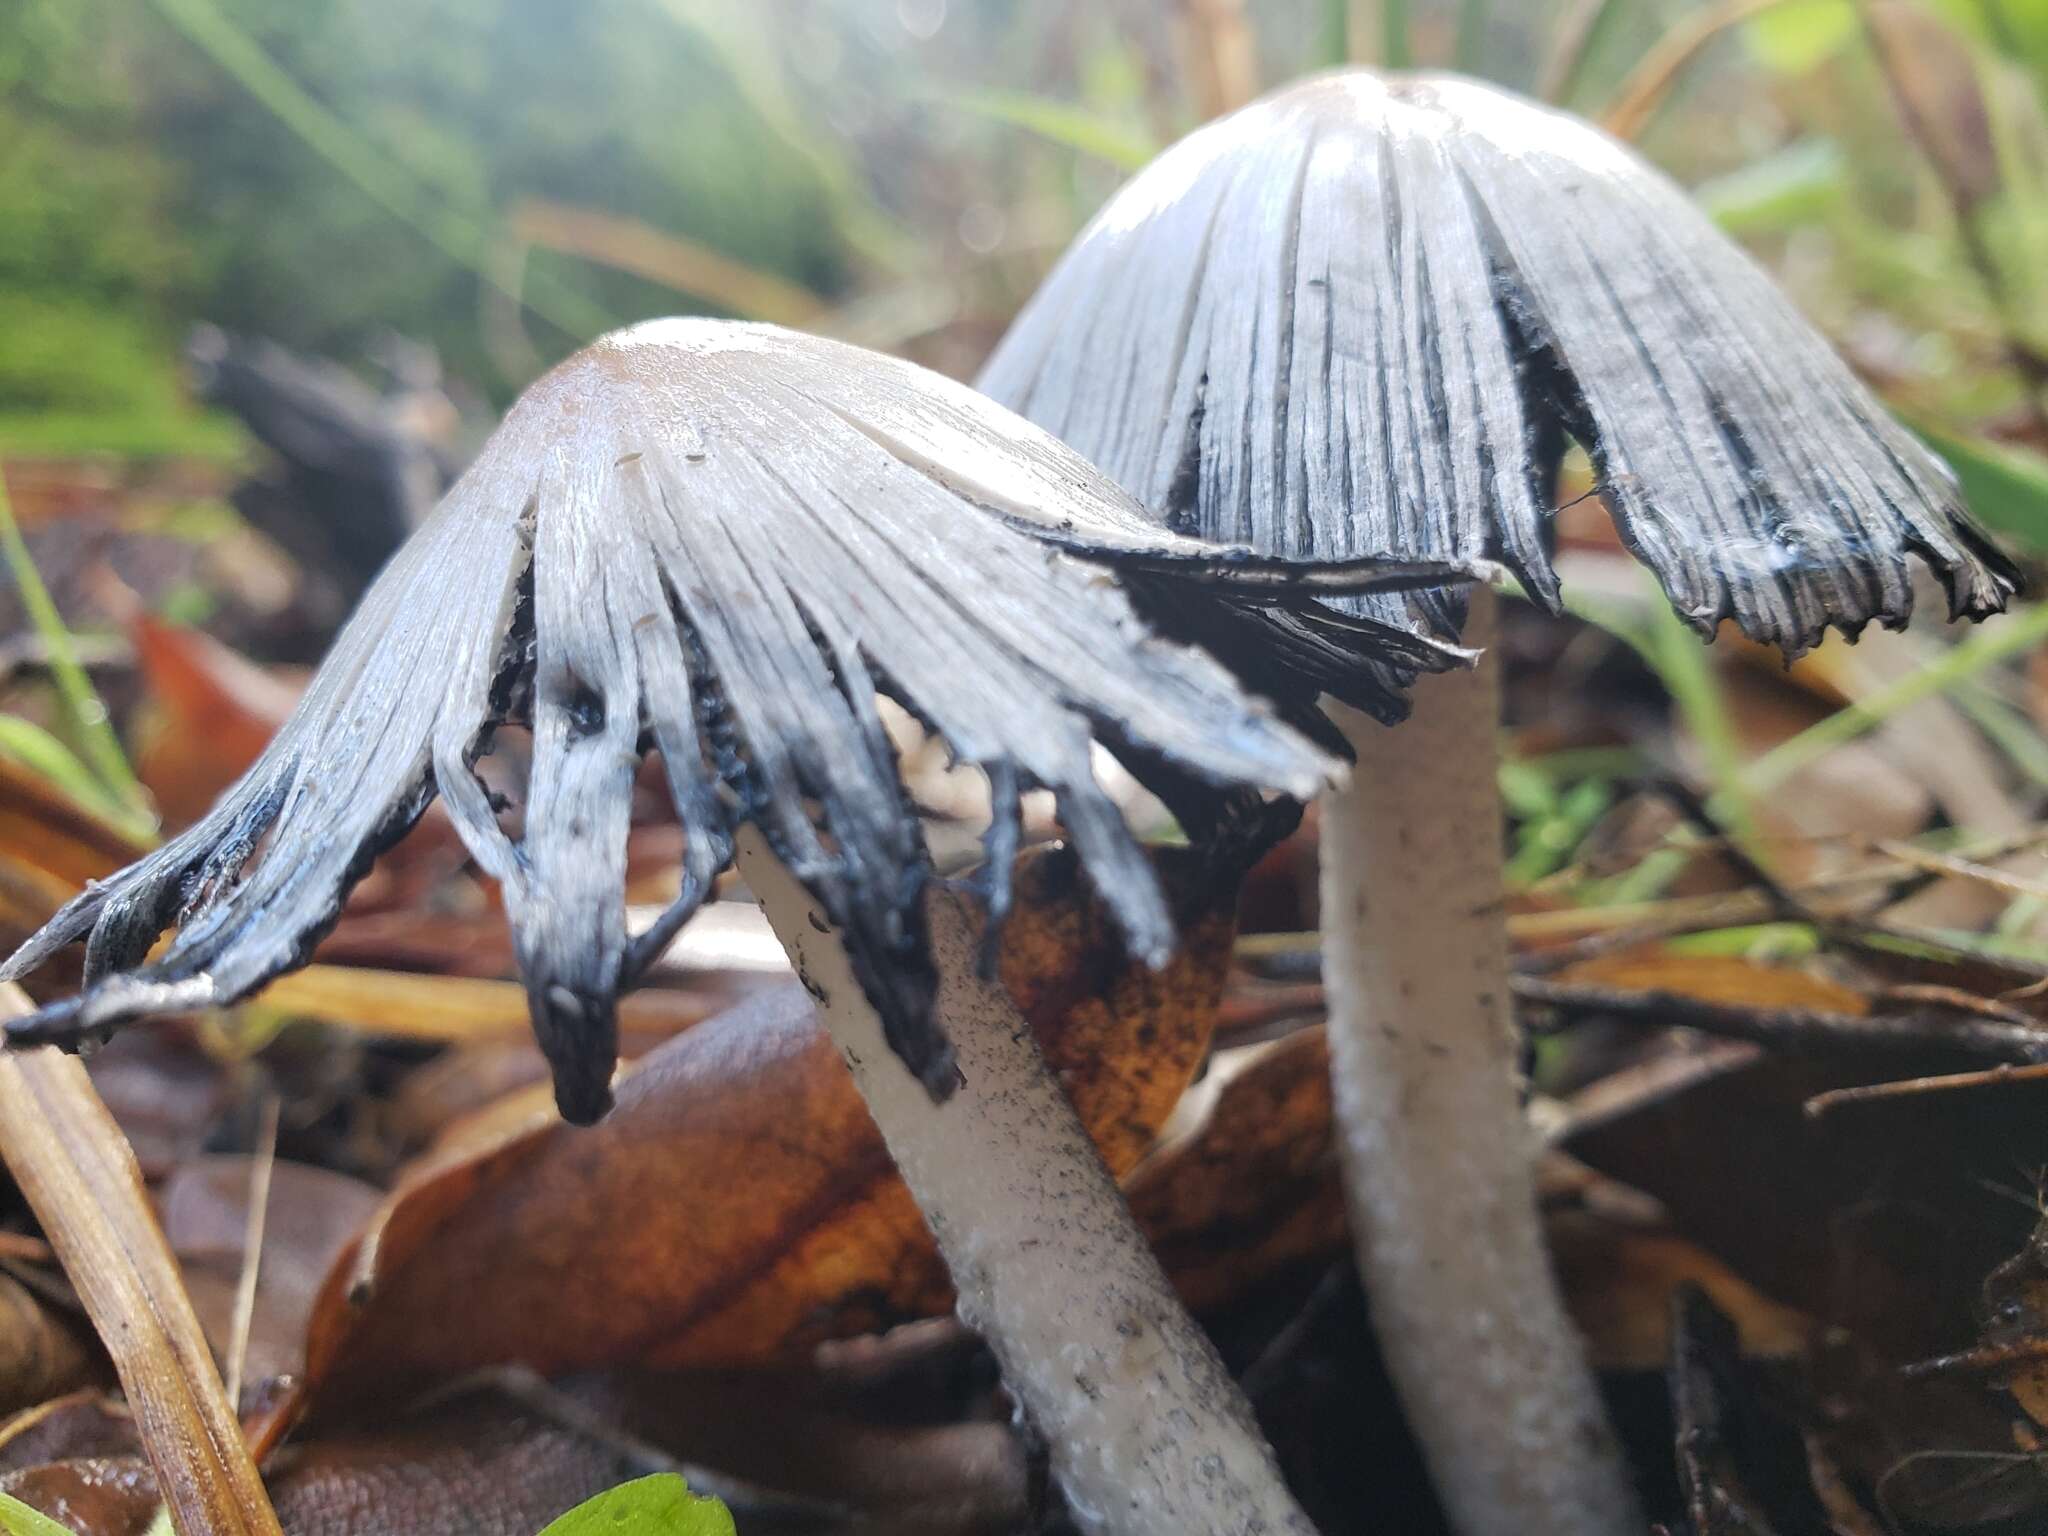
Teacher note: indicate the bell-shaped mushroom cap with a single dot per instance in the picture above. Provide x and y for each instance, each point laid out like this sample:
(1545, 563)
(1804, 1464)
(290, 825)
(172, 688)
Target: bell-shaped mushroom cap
(722, 541)
(1361, 314)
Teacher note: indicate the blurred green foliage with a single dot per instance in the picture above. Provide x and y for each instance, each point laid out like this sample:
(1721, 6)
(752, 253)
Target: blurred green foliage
(143, 187)
(89, 269)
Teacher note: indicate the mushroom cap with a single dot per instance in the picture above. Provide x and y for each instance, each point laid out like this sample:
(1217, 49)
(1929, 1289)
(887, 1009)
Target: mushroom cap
(722, 541)
(1363, 312)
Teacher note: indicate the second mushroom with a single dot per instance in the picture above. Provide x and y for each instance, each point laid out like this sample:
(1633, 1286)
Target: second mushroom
(1367, 313)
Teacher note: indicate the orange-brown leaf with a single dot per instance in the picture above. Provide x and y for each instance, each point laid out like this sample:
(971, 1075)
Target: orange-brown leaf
(738, 1204)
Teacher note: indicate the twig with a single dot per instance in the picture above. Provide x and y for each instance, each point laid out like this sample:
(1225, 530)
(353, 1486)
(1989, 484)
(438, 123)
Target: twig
(80, 1178)
(1222, 64)
(1911, 1087)
(1965, 869)
(1980, 1360)
(252, 1245)
(677, 263)
(1645, 89)
(1803, 1031)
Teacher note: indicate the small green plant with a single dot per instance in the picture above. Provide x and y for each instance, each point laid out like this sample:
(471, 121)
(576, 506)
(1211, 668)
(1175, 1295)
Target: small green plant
(648, 1506)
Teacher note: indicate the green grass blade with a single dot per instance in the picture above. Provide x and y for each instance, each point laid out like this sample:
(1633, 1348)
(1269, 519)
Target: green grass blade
(1059, 122)
(2018, 632)
(1397, 49)
(462, 238)
(82, 705)
(1470, 48)
(18, 1519)
(2007, 488)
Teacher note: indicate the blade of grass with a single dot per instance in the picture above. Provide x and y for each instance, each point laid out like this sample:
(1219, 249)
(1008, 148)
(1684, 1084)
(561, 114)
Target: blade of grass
(80, 1178)
(463, 238)
(1397, 49)
(745, 41)
(686, 266)
(1333, 37)
(88, 716)
(1652, 79)
(2006, 487)
(1058, 122)
(1577, 40)
(2019, 632)
(1682, 662)
(18, 1519)
(25, 743)
(1470, 47)
(2007, 728)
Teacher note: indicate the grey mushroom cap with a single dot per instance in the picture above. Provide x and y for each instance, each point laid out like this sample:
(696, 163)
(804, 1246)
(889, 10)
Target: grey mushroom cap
(1365, 312)
(723, 541)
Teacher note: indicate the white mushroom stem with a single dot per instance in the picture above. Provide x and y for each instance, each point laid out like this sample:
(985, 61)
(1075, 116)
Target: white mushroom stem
(1148, 1434)
(1438, 1159)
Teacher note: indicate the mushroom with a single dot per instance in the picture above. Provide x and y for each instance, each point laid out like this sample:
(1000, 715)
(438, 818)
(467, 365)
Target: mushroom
(1366, 313)
(723, 542)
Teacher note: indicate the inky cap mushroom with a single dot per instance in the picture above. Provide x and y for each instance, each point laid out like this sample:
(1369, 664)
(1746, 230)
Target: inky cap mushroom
(1397, 295)
(722, 541)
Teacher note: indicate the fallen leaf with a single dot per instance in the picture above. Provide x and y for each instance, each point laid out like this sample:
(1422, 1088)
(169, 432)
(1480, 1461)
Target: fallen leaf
(738, 1205)
(311, 1216)
(407, 1005)
(44, 1352)
(211, 715)
(479, 1465)
(1716, 979)
(1618, 1278)
(1251, 1188)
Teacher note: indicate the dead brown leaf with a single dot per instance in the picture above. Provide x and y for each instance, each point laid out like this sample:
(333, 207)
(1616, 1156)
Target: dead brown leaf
(1715, 979)
(1253, 1187)
(479, 1465)
(738, 1204)
(211, 714)
(312, 1214)
(44, 1351)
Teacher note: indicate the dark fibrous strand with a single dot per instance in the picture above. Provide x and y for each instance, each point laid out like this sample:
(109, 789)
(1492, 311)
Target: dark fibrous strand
(720, 543)
(1450, 280)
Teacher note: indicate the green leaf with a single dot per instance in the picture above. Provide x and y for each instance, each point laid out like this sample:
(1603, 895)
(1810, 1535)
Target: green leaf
(116, 781)
(48, 758)
(1799, 36)
(1794, 186)
(17, 1519)
(43, 755)
(1059, 122)
(649, 1506)
(2007, 488)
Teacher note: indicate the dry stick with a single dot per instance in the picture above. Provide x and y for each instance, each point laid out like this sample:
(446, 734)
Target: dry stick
(1149, 1436)
(1652, 79)
(1438, 1158)
(260, 1168)
(1950, 1082)
(1801, 1031)
(79, 1176)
